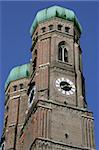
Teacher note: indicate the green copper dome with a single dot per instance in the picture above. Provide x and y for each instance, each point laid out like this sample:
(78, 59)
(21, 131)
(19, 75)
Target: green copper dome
(55, 11)
(17, 73)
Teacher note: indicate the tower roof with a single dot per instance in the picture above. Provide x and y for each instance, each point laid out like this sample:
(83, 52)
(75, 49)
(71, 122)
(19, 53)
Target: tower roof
(18, 73)
(55, 11)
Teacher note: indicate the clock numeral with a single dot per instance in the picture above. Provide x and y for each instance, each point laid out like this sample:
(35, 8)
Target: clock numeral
(67, 80)
(70, 92)
(73, 90)
(57, 85)
(70, 82)
(67, 93)
(63, 91)
(57, 82)
(73, 86)
(62, 79)
(59, 89)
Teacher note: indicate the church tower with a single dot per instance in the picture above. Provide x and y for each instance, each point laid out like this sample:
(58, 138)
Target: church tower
(56, 114)
(57, 117)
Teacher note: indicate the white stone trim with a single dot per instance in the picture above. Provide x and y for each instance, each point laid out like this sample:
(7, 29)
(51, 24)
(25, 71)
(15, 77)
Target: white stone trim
(76, 45)
(89, 117)
(14, 97)
(17, 96)
(44, 65)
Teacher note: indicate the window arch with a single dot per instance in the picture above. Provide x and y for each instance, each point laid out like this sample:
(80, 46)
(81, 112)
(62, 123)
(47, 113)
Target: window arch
(62, 52)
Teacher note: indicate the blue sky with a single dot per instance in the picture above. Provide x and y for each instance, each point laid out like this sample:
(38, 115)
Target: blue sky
(15, 42)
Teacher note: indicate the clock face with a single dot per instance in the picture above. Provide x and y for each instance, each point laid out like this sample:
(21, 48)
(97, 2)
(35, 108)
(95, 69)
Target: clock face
(65, 86)
(31, 96)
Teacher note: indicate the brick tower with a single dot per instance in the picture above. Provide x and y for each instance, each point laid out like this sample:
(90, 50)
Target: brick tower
(15, 105)
(53, 115)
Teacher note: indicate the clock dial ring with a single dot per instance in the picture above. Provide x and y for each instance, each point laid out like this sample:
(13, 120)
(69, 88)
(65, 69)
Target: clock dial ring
(31, 96)
(65, 86)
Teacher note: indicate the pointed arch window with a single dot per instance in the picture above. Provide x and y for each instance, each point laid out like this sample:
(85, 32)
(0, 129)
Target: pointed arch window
(62, 52)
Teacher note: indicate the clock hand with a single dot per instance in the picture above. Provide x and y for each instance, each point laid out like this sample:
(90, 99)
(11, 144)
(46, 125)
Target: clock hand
(63, 86)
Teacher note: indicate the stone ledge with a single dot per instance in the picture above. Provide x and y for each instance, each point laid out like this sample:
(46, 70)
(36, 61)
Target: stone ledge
(49, 143)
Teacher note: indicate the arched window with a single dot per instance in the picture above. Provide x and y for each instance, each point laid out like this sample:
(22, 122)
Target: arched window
(62, 52)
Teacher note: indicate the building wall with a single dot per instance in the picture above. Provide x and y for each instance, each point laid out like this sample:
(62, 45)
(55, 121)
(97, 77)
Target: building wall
(60, 124)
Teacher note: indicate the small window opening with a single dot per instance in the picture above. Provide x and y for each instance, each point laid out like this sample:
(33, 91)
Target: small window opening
(43, 29)
(66, 135)
(77, 40)
(36, 33)
(50, 27)
(6, 121)
(67, 29)
(59, 27)
(9, 91)
(21, 86)
(7, 108)
(15, 87)
(65, 102)
(33, 39)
